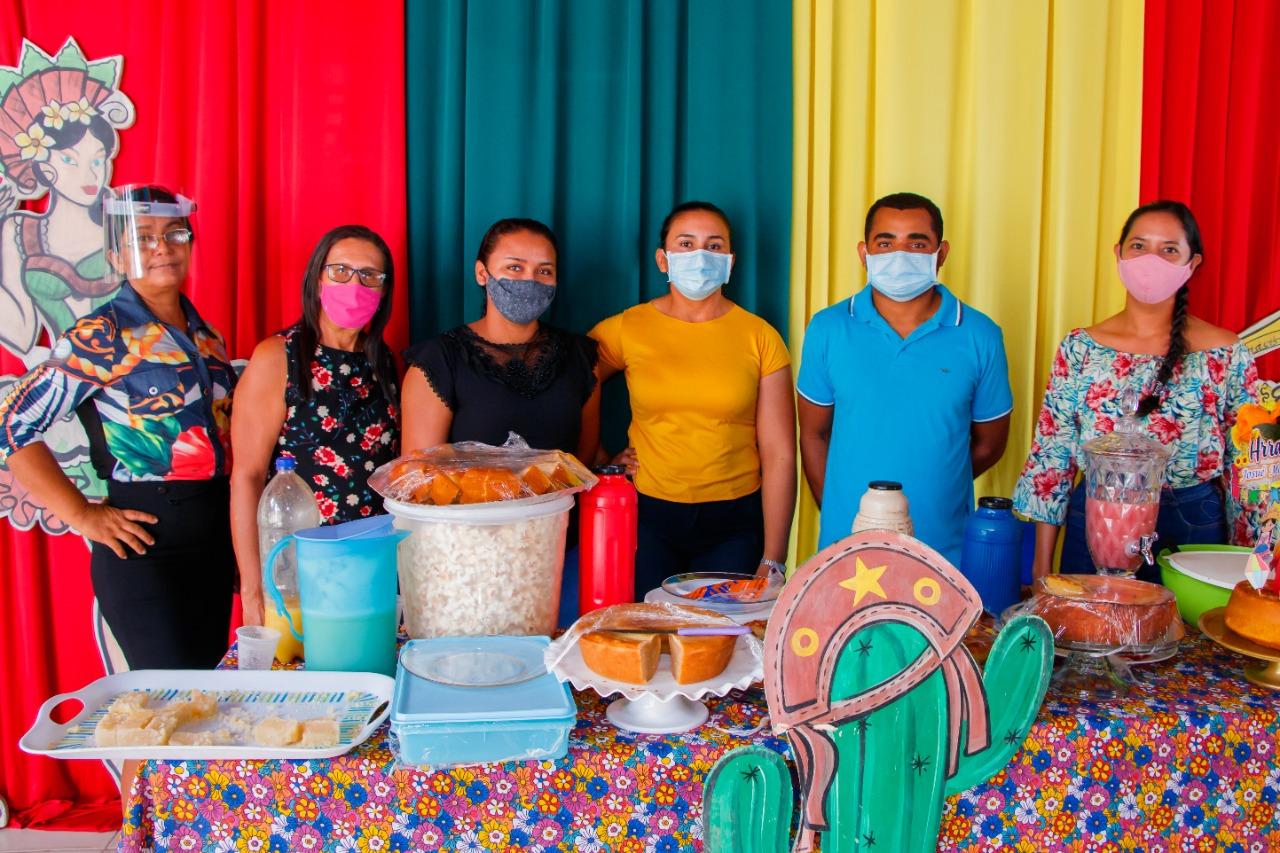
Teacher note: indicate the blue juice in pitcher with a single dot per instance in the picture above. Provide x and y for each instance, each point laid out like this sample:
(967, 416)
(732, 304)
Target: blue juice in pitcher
(351, 642)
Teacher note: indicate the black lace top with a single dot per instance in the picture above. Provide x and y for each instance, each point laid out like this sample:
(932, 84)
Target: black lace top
(347, 429)
(536, 389)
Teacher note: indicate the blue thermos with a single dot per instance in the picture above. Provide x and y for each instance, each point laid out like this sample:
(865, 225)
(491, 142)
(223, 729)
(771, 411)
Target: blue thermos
(992, 555)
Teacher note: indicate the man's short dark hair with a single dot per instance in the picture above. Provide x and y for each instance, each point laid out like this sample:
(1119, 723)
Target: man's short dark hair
(905, 201)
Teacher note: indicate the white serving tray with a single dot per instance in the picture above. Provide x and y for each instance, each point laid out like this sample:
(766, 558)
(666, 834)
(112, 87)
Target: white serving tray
(736, 613)
(360, 701)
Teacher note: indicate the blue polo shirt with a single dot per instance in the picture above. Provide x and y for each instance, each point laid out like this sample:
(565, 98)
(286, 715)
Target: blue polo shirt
(903, 409)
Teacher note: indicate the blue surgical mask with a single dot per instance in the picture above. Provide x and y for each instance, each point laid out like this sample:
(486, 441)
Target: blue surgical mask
(902, 276)
(698, 274)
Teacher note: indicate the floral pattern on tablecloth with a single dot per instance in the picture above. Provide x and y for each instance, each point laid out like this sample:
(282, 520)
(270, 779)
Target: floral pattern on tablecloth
(1188, 764)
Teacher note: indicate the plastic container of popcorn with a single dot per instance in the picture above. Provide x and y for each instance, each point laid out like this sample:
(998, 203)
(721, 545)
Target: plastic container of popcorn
(485, 569)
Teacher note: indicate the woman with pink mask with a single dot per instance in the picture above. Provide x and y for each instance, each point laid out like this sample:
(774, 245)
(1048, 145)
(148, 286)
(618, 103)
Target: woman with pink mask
(323, 393)
(1191, 376)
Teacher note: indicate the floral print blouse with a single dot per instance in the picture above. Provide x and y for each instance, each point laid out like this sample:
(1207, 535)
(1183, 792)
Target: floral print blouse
(155, 399)
(341, 434)
(1084, 400)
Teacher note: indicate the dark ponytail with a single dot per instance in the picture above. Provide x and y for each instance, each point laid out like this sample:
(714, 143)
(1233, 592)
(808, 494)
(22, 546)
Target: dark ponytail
(1177, 330)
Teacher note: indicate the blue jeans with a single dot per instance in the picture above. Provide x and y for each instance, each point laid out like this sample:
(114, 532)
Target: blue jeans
(1191, 516)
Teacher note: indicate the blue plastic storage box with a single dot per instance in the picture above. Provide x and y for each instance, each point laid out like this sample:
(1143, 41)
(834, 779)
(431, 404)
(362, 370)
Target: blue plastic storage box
(440, 725)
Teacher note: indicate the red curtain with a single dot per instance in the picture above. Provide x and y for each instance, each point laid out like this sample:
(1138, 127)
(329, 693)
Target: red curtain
(281, 120)
(1211, 138)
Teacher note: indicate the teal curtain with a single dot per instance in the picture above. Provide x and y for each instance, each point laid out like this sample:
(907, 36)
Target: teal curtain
(596, 117)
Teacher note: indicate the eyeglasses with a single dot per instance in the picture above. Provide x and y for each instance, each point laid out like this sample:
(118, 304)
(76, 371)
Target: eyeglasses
(341, 274)
(175, 237)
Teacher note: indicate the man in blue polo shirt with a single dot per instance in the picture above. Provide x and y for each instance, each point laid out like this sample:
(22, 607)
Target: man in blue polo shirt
(902, 382)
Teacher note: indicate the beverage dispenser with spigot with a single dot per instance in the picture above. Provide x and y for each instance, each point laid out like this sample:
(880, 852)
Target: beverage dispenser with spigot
(1124, 471)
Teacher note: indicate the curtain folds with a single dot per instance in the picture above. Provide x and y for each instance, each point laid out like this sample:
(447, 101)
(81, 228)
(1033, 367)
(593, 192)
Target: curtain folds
(596, 118)
(1021, 120)
(1210, 137)
(282, 120)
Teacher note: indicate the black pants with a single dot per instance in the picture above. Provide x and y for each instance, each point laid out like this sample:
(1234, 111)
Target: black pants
(715, 536)
(171, 607)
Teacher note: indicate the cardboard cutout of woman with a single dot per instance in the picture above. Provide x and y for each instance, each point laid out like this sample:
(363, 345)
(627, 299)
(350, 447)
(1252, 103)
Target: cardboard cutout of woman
(59, 117)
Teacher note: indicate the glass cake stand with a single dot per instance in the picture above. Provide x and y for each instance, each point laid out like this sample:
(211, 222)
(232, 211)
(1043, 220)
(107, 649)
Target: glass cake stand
(1096, 670)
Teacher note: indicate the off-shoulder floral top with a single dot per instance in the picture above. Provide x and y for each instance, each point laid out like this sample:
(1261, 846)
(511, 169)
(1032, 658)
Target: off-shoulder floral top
(1084, 400)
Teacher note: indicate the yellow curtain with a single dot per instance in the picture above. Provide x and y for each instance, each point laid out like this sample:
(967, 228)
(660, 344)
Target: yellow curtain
(1020, 118)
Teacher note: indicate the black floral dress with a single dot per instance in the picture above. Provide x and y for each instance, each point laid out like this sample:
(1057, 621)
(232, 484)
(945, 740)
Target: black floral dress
(339, 436)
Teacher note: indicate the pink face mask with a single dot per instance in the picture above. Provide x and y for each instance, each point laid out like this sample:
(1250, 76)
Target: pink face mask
(351, 306)
(1151, 279)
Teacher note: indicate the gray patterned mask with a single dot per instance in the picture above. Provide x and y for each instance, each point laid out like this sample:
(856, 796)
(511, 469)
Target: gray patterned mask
(520, 300)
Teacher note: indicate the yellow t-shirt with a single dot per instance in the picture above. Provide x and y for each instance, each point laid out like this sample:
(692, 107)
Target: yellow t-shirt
(693, 388)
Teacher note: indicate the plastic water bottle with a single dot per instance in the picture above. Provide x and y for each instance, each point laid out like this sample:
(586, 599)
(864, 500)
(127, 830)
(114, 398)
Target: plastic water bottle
(992, 554)
(607, 541)
(287, 505)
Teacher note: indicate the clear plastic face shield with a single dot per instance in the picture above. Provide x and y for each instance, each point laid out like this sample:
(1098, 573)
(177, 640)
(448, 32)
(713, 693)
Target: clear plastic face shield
(147, 231)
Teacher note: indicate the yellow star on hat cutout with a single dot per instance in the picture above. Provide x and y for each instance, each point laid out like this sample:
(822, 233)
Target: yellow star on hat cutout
(864, 581)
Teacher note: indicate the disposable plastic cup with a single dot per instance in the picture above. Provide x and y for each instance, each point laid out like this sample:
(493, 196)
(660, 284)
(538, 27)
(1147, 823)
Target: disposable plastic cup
(256, 646)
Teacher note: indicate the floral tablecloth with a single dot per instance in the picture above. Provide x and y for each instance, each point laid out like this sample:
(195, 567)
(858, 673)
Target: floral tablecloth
(1187, 764)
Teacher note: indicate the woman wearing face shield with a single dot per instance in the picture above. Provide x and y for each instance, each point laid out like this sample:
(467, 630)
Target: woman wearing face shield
(322, 393)
(506, 371)
(712, 417)
(151, 381)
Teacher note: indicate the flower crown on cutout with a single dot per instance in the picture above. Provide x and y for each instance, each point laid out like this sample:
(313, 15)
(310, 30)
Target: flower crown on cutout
(47, 93)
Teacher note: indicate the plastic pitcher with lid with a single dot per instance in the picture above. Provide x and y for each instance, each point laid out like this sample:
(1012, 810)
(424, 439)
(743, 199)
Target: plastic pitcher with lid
(1124, 472)
(347, 586)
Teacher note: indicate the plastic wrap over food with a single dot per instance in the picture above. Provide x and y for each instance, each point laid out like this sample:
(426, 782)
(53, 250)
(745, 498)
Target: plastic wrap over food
(470, 472)
(657, 618)
(1104, 613)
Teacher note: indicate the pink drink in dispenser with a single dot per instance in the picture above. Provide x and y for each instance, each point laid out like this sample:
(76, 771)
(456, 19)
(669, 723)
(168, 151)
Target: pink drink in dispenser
(1123, 471)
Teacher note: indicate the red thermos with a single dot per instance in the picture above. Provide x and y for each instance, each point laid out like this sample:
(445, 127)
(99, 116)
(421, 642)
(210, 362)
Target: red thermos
(607, 540)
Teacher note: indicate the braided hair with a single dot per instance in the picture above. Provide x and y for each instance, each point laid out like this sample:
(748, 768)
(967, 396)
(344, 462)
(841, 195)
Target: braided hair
(1177, 331)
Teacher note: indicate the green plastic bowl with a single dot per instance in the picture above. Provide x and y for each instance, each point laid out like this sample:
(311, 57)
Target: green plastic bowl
(1196, 596)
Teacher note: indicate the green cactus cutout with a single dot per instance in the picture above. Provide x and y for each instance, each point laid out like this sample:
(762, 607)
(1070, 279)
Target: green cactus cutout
(1015, 679)
(747, 802)
(888, 789)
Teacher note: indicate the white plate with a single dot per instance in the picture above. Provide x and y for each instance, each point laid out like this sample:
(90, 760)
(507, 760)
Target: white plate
(475, 667)
(735, 612)
(1223, 569)
(745, 667)
(360, 701)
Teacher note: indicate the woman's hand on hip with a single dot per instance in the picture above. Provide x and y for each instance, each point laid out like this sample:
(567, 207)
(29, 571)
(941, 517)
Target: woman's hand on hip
(116, 528)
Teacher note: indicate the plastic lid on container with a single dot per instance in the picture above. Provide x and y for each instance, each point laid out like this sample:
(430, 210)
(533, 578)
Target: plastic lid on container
(611, 470)
(419, 700)
(375, 525)
(286, 463)
(494, 512)
(989, 502)
(1221, 568)
(885, 486)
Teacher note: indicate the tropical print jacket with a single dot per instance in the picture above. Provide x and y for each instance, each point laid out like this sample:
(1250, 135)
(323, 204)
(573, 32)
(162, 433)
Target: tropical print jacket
(155, 400)
(1086, 397)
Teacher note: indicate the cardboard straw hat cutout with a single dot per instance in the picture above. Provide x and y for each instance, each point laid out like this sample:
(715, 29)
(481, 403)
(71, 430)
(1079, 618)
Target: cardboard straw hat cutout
(884, 707)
